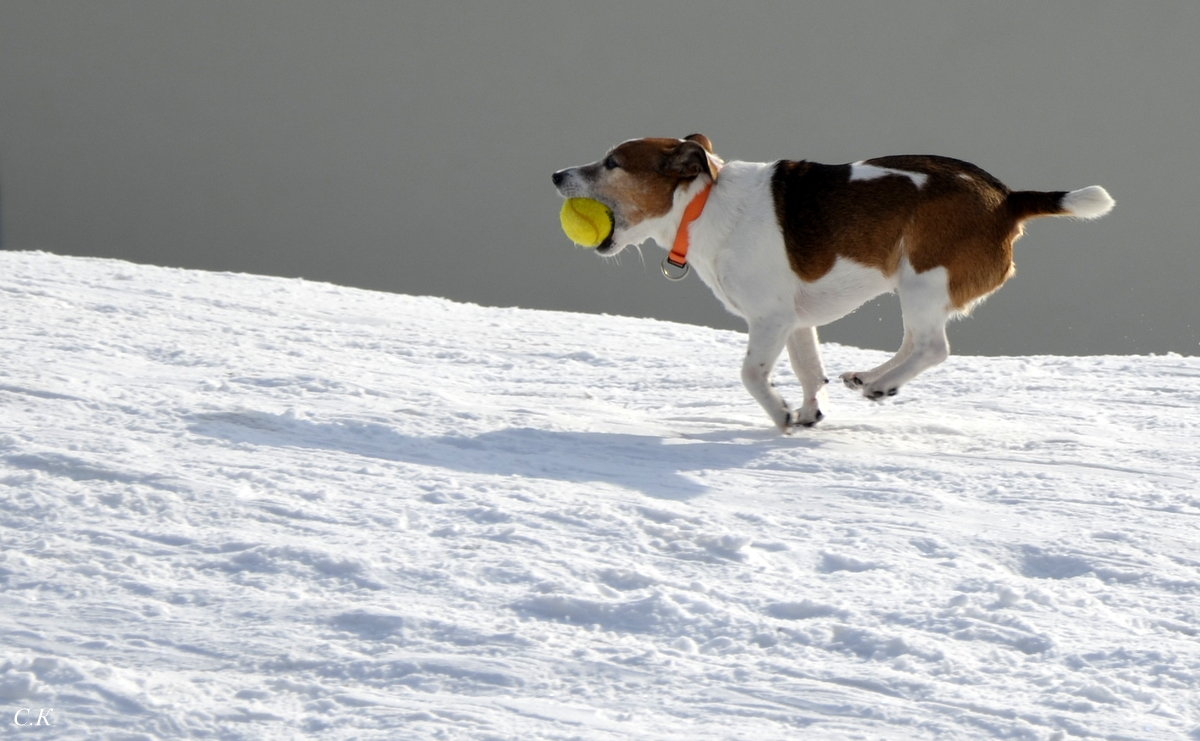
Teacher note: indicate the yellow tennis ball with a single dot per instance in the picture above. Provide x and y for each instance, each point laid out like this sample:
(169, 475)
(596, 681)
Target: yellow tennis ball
(587, 222)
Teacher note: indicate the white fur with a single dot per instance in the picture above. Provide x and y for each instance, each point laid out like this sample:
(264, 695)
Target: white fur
(1091, 202)
(862, 171)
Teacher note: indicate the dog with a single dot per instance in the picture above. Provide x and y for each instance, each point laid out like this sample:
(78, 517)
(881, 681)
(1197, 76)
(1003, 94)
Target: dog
(792, 245)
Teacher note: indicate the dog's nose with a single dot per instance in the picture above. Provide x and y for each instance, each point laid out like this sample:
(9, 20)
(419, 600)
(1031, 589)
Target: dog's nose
(559, 176)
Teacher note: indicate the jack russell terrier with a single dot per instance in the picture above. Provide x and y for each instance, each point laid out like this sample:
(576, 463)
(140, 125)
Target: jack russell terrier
(793, 245)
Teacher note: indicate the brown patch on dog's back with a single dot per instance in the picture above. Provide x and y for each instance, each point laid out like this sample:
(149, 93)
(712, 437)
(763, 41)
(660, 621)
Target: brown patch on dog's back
(956, 218)
(824, 216)
(961, 223)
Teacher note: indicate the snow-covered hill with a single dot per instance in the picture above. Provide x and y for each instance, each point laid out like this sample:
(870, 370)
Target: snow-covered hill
(247, 507)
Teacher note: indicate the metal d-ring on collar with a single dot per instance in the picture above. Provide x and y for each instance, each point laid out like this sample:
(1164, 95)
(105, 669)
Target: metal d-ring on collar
(667, 273)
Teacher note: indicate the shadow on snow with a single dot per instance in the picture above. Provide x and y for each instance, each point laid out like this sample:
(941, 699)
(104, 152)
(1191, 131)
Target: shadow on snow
(646, 463)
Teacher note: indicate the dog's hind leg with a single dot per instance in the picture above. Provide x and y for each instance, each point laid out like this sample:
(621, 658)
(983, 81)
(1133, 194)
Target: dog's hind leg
(805, 355)
(766, 343)
(855, 380)
(925, 302)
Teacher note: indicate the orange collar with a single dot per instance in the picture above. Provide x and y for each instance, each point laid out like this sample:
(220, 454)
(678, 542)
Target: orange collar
(678, 255)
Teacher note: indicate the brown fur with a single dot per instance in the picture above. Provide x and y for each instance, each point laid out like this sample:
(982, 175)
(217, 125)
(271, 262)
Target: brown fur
(961, 219)
(649, 171)
(640, 183)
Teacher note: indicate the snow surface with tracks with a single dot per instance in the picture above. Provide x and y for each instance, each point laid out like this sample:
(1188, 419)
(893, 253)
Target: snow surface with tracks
(235, 506)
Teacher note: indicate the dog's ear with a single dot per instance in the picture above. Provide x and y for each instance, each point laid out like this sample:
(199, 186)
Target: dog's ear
(700, 139)
(692, 157)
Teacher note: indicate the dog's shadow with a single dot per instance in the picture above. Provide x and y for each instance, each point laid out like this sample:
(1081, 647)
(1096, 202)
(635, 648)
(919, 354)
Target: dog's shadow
(645, 463)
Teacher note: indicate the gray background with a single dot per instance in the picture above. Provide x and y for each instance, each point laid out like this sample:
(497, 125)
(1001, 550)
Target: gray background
(407, 146)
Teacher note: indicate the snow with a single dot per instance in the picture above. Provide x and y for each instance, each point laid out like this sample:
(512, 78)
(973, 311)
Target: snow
(247, 507)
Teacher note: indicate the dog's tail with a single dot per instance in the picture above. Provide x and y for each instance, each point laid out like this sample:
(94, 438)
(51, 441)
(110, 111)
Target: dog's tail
(1091, 202)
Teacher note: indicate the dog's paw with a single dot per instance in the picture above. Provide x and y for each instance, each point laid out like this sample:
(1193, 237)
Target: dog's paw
(803, 418)
(879, 393)
(873, 390)
(854, 380)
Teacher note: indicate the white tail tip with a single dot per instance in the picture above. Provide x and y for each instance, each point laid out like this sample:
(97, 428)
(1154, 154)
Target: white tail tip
(1091, 202)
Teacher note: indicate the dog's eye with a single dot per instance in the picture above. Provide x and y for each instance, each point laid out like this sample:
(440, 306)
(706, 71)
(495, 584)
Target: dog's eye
(610, 163)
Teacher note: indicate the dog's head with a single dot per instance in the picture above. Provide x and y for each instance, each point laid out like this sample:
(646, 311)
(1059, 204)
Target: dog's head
(646, 183)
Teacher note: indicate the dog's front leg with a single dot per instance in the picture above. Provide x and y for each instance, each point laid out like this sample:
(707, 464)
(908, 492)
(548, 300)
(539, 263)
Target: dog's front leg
(766, 343)
(805, 355)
